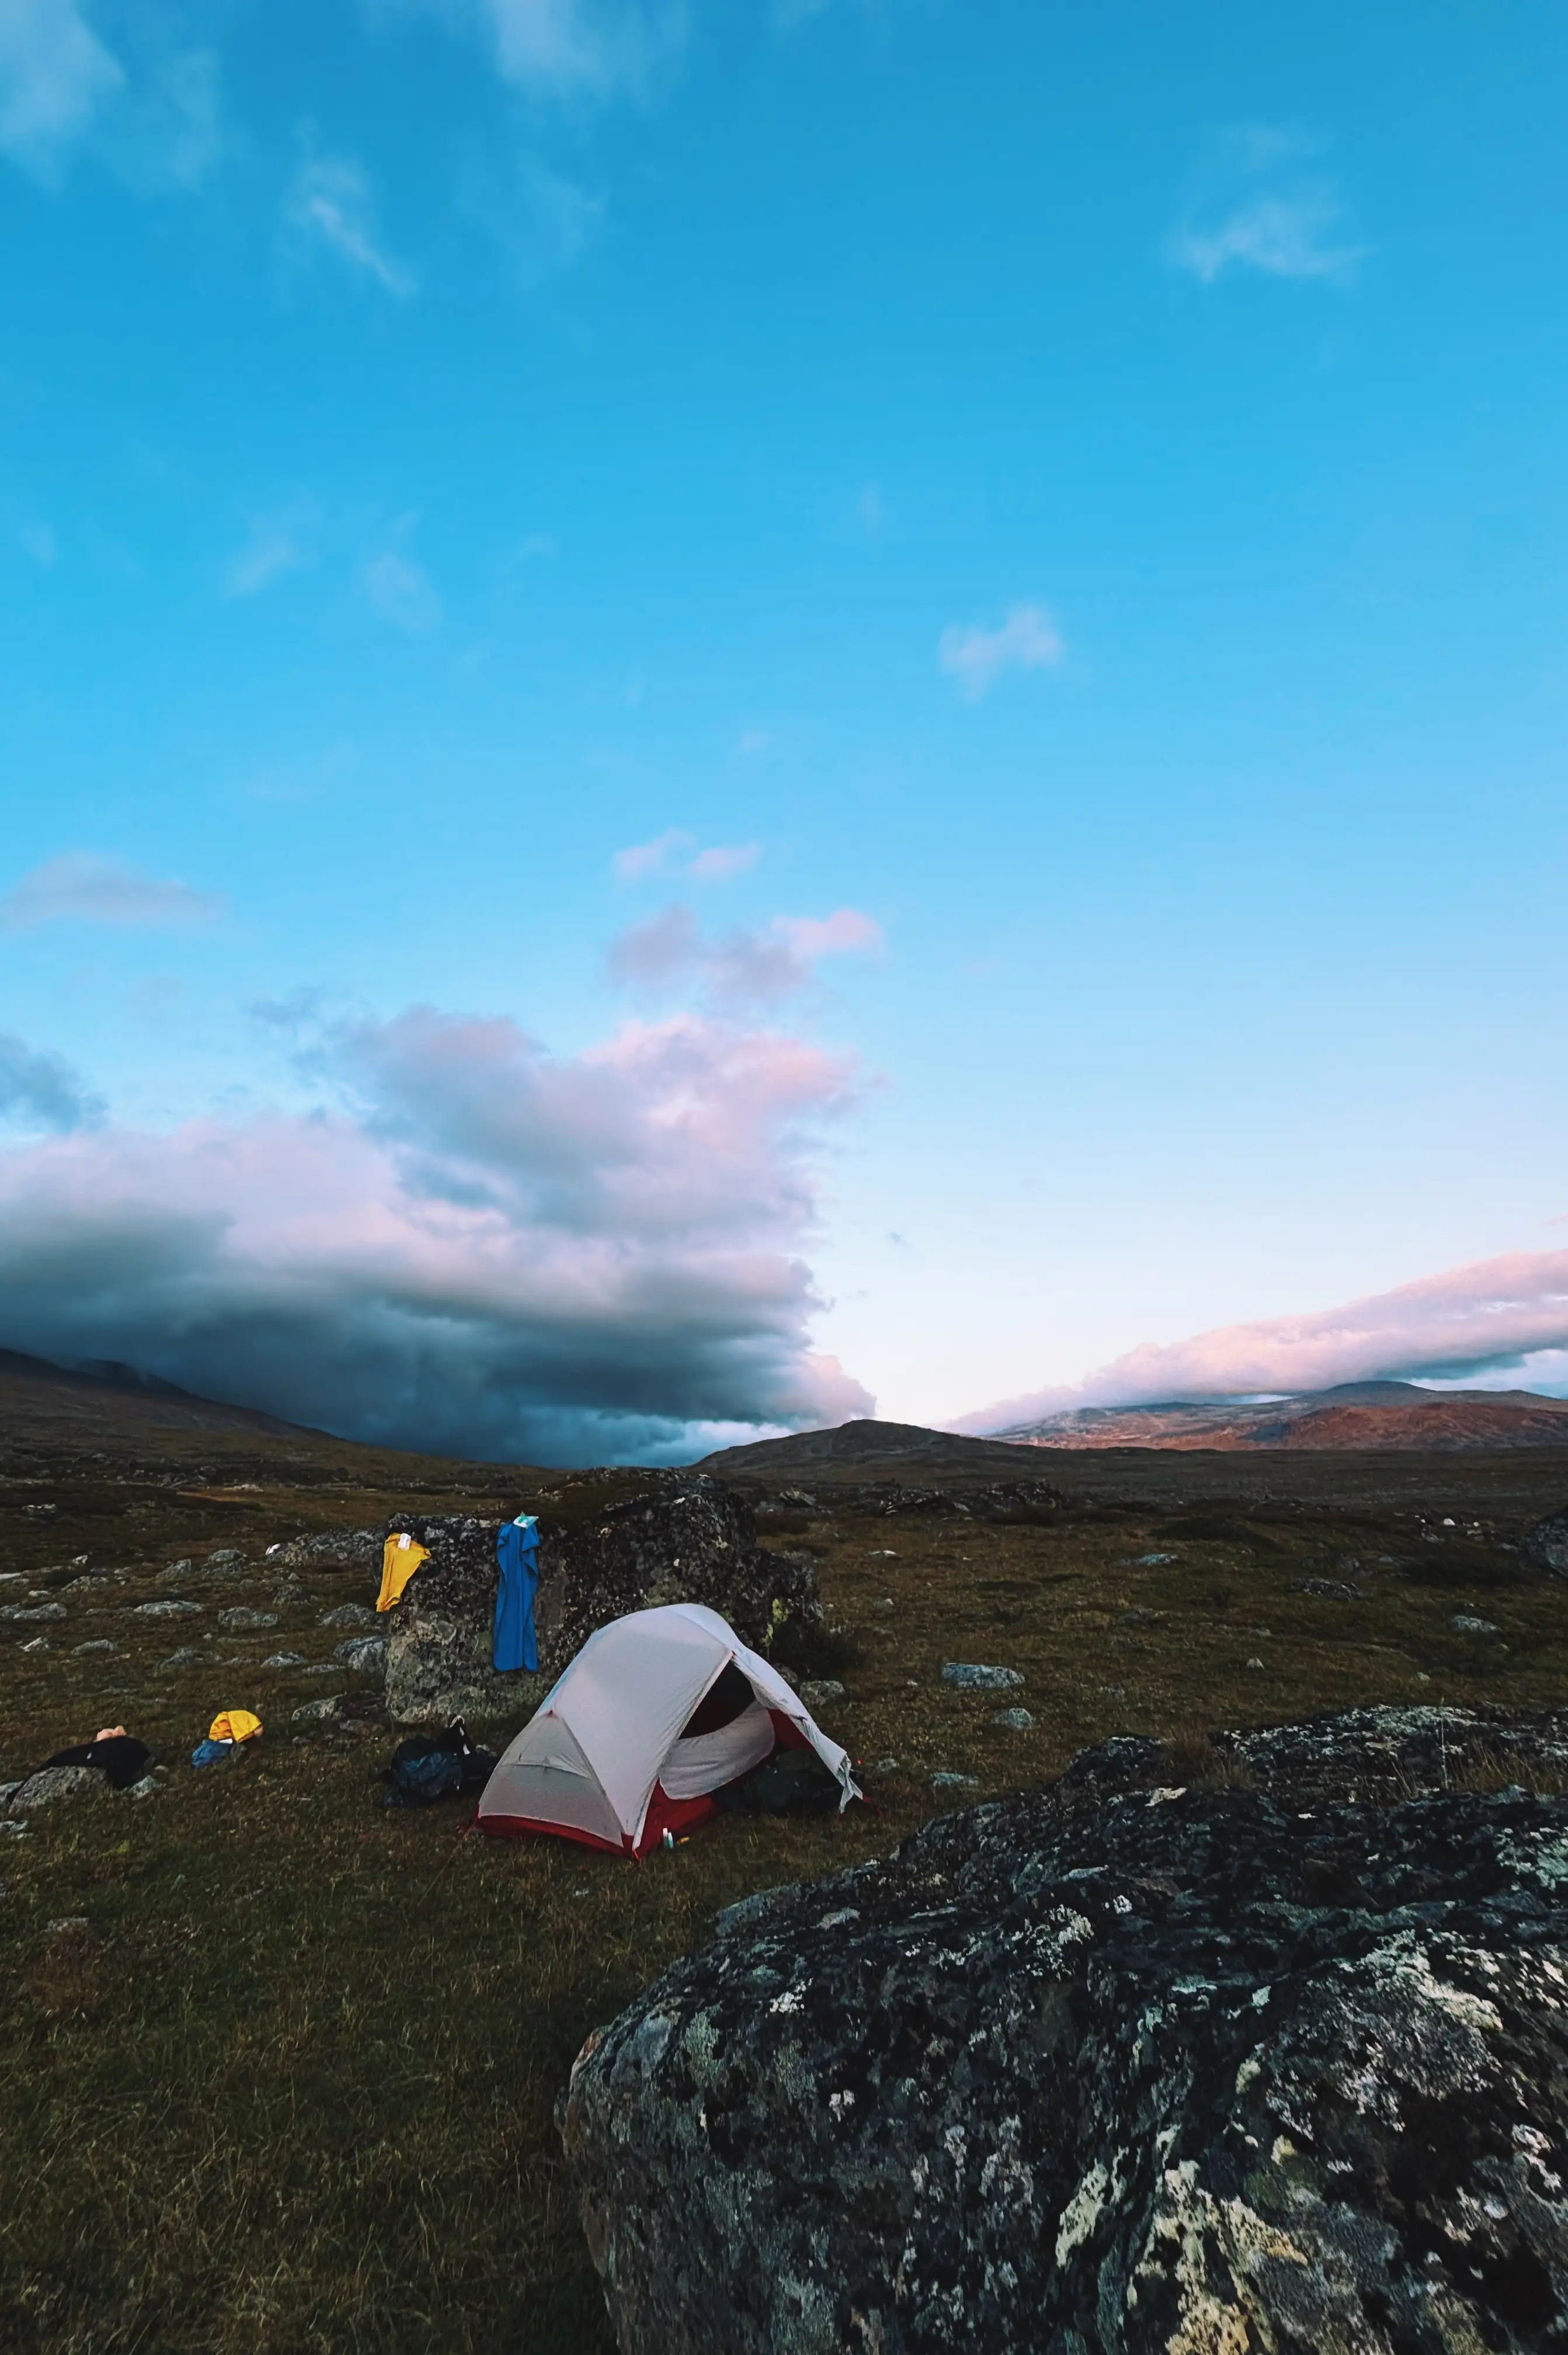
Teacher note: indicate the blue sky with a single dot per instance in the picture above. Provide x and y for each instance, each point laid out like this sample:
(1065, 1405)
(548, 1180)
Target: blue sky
(961, 610)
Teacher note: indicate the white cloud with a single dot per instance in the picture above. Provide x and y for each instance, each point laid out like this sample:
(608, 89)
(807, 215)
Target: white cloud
(1490, 1313)
(1284, 236)
(976, 657)
(55, 74)
(741, 968)
(401, 591)
(330, 204)
(724, 861)
(585, 46)
(279, 544)
(81, 888)
(151, 117)
(470, 1244)
(1261, 204)
(675, 850)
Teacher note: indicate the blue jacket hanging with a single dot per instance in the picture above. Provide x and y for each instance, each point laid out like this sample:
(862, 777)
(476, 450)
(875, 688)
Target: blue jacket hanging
(517, 1552)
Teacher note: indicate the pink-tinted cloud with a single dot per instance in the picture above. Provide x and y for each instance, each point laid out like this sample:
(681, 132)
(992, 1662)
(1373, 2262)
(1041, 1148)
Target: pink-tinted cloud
(976, 657)
(675, 851)
(1464, 1321)
(472, 1245)
(740, 969)
(81, 886)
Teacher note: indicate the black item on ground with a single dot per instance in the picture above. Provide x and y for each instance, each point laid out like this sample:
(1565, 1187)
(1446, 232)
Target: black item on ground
(789, 1783)
(425, 1767)
(121, 1756)
(727, 1698)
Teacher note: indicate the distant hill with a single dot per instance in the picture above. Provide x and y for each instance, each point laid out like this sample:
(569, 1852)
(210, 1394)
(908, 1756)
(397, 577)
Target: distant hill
(1353, 1415)
(114, 1407)
(870, 1450)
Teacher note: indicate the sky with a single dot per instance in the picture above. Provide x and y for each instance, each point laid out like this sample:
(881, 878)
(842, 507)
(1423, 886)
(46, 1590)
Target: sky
(719, 714)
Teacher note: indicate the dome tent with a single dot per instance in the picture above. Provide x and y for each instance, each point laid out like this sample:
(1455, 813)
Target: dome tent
(657, 1712)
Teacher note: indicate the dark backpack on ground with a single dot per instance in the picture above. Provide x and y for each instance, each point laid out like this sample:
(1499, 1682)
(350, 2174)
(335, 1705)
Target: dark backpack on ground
(789, 1783)
(425, 1767)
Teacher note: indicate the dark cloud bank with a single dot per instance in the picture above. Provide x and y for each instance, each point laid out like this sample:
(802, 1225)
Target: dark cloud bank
(472, 1247)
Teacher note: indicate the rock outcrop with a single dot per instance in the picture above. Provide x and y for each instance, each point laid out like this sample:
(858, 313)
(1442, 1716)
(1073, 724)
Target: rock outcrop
(1121, 2065)
(680, 1538)
(1546, 1544)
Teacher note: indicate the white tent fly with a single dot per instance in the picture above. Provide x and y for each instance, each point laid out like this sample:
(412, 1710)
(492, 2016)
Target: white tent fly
(657, 1712)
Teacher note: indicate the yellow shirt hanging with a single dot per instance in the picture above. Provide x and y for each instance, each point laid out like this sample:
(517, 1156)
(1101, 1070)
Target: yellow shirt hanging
(401, 1557)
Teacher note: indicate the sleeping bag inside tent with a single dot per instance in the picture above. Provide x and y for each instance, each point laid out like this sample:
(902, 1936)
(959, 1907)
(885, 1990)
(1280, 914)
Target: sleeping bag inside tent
(658, 1711)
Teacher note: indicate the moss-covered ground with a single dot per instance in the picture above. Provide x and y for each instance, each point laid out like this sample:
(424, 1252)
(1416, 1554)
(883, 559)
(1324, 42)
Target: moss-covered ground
(278, 2067)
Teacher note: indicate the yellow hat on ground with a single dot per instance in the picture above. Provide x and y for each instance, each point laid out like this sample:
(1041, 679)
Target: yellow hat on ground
(234, 1725)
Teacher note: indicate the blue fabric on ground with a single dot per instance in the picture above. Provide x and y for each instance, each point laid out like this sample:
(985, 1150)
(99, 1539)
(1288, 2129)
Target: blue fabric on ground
(517, 1552)
(208, 1753)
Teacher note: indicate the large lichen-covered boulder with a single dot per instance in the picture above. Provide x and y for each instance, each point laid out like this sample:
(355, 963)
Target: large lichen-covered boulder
(676, 1538)
(1119, 2065)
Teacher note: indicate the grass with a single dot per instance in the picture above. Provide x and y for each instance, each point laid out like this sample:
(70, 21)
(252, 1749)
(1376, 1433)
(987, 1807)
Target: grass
(286, 2079)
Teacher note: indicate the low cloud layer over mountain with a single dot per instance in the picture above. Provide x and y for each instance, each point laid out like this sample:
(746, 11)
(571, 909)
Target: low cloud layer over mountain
(1466, 1321)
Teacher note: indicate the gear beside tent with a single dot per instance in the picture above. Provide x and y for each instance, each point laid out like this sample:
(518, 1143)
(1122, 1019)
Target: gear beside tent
(658, 1711)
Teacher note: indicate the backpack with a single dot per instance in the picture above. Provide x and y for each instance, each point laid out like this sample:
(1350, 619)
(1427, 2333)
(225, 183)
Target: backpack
(425, 1767)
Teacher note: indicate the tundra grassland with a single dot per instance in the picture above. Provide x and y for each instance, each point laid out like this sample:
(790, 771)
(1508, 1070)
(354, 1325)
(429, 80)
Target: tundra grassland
(279, 2067)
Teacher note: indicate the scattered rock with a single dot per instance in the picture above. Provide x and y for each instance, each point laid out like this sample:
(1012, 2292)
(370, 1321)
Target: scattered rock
(886, 1766)
(680, 1537)
(1547, 1544)
(143, 1789)
(967, 1676)
(53, 1782)
(1254, 1662)
(353, 1548)
(946, 1780)
(172, 1609)
(319, 1712)
(39, 1644)
(818, 1691)
(181, 1569)
(284, 1660)
(25, 1615)
(362, 1651)
(1332, 1589)
(225, 1562)
(182, 1658)
(1466, 1623)
(1152, 1561)
(1116, 2065)
(95, 1643)
(240, 1620)
(1014, 1721)
(324, 1669)
(348, 1615)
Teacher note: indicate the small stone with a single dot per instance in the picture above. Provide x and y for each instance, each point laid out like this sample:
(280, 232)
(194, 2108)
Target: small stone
(1152, 1561)
(1014, 1721)
(1254, 1662)
(1465, 1624)
(227, 1558)
(283, 1660)
(181, 1569)
(362, 1651)
(143, 1789)
(348, 1615)
(949, 1782)
(324, 1669)
(819, 1690)
(240, 1620)
(172, 1609)
(39, 1644)
(319, 1712)
(968, 1676)
(24, 1614)
(886, 1766)
(97, 1644)
(182, 1658)
(68, 1926)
